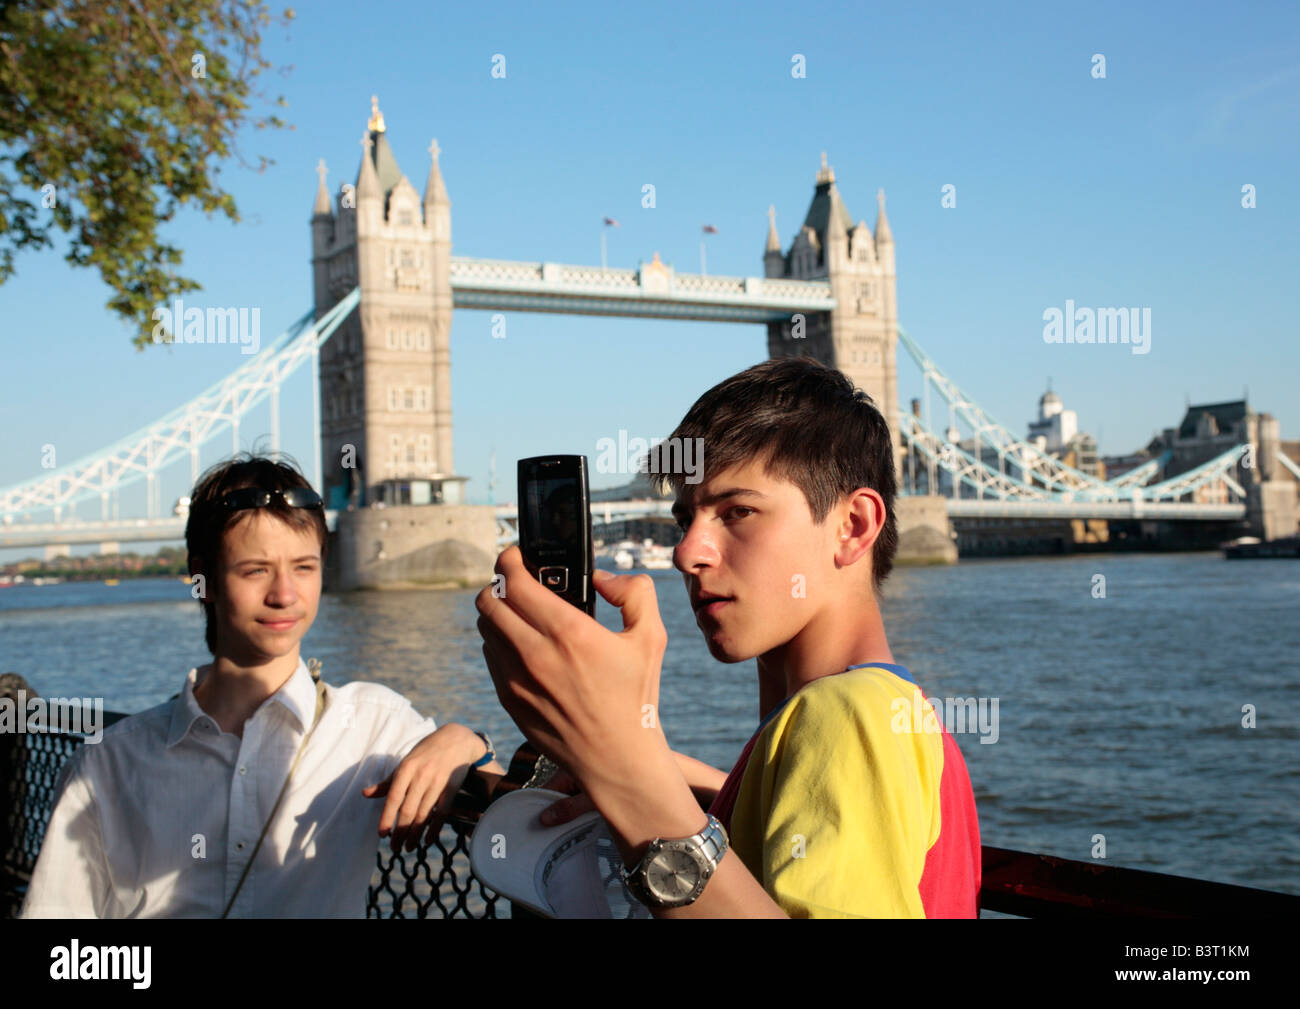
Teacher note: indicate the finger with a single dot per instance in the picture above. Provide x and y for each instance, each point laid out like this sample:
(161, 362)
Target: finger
(564, 810)
(414, 810)
(563, 781)
(434, 827)
(430, 804)
(399, 781)
(634, 595)
(499, 620)
(438, 813)
(545, 613)
(376, 791)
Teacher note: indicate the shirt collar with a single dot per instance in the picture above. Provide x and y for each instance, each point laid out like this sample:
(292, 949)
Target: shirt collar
(298, 696)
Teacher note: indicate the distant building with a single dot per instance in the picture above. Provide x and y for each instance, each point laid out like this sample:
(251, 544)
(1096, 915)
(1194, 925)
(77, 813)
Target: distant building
(1208, 430)
(1055, 426)
(1056, 432)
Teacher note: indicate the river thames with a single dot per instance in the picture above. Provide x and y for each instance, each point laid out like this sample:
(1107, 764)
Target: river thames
(1118, 715)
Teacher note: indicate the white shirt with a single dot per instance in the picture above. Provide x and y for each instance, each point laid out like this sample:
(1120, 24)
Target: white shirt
(159, 818)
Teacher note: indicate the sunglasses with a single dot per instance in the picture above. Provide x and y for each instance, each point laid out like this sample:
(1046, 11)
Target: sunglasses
(256, 497)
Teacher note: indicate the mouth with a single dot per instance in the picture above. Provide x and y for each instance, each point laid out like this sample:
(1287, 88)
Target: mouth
(279, 625)
(710, 605)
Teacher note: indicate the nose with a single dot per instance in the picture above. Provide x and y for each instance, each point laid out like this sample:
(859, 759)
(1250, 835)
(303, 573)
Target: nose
(696, 549)
(283, 592)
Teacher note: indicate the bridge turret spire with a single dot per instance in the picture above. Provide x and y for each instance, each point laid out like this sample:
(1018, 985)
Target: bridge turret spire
(435, 192)
(773, 239)
(367, 180)
(827, 211)
(773, 259)
(826, 173)
(883, 235)
(322, 205)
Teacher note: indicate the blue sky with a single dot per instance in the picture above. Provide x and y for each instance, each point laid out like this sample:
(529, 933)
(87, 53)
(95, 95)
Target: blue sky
(1123, 191)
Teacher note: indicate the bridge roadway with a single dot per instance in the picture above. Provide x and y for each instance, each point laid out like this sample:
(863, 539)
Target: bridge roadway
(172, 528)
(654, 291)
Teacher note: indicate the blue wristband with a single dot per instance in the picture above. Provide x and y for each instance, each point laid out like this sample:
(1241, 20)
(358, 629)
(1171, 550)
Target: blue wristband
(488, 757)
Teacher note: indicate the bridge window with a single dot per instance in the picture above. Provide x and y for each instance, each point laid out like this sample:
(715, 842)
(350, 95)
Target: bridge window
(410, 400)
(392, 339)
(406, 339)
(392, 398)
(422, 337)
(405, 219)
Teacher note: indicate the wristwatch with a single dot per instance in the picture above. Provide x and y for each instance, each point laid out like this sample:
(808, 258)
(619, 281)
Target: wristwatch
(672, 873)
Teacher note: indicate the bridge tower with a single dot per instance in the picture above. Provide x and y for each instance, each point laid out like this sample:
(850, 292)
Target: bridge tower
(385, 375)
(860, 336)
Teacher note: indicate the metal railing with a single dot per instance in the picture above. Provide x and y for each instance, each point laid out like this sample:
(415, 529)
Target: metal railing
(430, 882)
(436, 881)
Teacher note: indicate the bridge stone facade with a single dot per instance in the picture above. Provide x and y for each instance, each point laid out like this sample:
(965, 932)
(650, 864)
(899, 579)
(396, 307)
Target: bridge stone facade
(385, 376)
(859, 336)
(385, 381)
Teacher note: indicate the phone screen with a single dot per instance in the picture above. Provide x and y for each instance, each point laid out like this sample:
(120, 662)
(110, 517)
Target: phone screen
(553, 512)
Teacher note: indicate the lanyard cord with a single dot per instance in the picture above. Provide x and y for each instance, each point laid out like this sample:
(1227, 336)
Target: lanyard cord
(313, 665)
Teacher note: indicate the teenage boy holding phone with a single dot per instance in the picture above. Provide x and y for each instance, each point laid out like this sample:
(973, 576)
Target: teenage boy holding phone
(835, 807)
(251, 793)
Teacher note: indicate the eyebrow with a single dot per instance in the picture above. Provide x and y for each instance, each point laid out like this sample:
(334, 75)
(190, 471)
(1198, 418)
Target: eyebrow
(679, 510)
(264, 560)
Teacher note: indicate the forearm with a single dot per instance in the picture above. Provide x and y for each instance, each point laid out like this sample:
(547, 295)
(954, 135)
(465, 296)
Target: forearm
(657, 802)
(704, 781)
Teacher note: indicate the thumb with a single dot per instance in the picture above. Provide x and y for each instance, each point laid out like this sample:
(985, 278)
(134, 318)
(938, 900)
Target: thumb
(633, 594)
(564, 810)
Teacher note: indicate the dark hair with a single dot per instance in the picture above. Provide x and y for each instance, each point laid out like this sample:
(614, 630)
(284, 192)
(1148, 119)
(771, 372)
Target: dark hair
(209, 518)
(813, 427)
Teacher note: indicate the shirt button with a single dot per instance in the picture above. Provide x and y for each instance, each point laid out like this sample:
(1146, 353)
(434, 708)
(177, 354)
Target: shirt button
(243, 770)
(239, 845)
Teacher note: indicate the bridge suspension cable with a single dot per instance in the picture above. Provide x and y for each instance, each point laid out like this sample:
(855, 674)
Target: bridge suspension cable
(143, 453)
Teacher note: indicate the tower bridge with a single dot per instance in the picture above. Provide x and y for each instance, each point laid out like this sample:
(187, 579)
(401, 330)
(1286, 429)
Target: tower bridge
(378, 342)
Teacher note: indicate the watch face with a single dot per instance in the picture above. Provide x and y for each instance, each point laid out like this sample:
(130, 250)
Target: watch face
(672, 875)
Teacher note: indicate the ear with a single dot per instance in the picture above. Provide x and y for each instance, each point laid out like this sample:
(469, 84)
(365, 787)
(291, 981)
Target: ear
(859, 522)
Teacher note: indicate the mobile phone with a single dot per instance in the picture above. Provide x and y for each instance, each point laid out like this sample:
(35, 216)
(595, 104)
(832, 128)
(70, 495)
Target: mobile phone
(555, 526)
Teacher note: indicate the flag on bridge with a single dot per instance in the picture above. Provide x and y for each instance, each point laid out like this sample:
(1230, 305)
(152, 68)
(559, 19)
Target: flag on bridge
(709, 229)
(611, 223)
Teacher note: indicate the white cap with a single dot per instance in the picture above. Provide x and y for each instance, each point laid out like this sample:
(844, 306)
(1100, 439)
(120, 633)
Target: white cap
(572, 870)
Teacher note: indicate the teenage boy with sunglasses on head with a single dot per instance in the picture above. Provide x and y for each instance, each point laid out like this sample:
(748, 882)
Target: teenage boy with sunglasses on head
(252, 792)
(837, 807)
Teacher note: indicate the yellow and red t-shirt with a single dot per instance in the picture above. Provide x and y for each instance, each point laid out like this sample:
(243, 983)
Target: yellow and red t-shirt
(845, 804)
